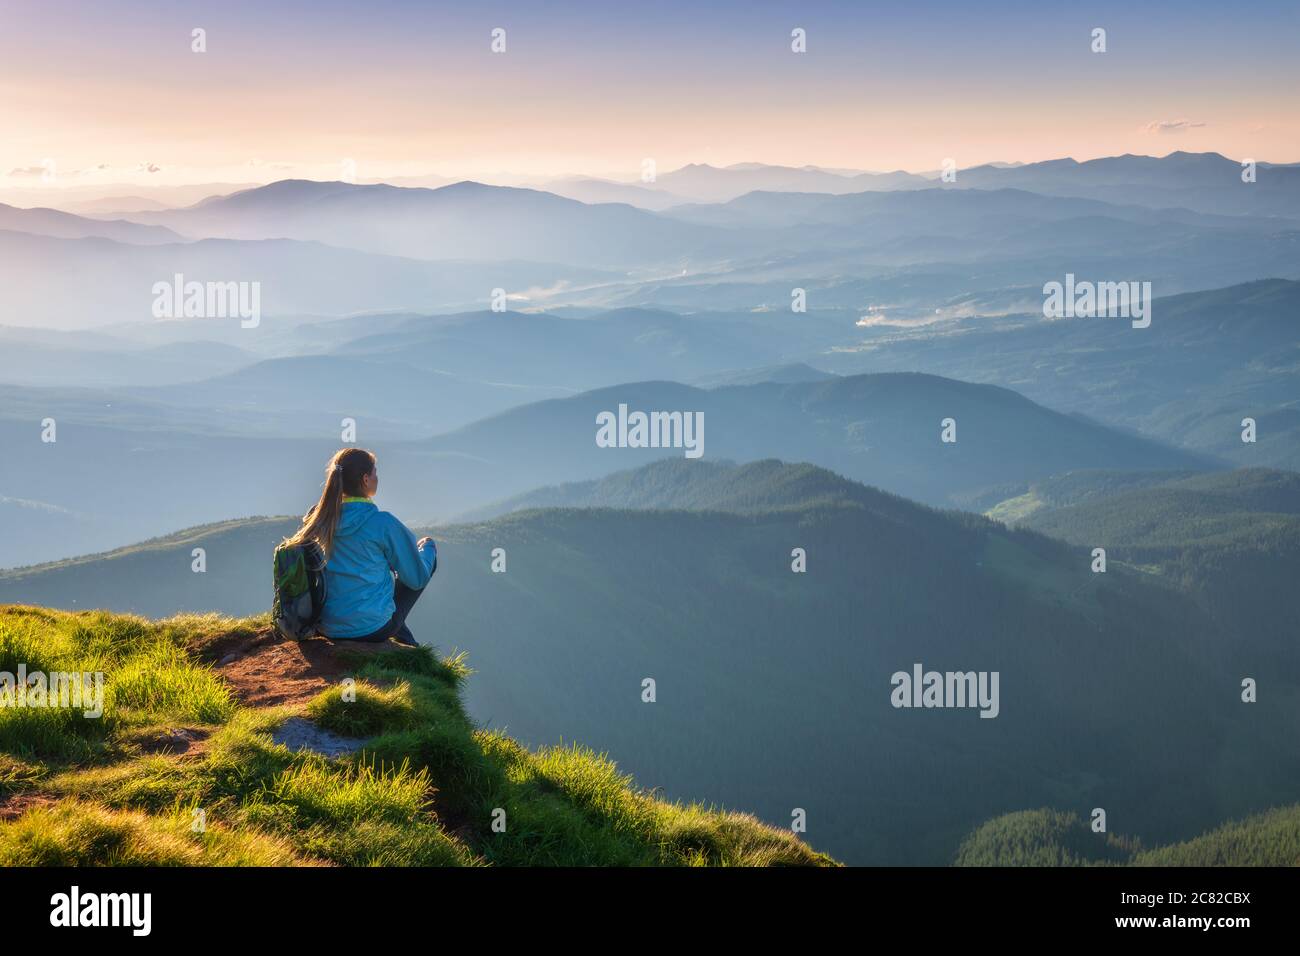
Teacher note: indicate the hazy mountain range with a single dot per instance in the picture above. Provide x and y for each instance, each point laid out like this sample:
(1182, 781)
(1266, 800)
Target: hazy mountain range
(471, 408)
(1207, 361)
(886, 429)
(63, 225)
(463, 221)
(1202, 181)
(851, 241)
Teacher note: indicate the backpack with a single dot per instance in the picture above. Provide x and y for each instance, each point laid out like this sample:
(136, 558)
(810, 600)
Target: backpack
(299, 575)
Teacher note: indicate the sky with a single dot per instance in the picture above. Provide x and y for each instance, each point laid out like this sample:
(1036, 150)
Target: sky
(113, 92)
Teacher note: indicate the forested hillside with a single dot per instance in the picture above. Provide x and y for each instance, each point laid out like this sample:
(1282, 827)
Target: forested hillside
(1230, 539)
(1055, 838)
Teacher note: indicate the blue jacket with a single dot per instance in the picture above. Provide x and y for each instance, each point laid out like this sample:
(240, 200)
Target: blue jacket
(369, 547)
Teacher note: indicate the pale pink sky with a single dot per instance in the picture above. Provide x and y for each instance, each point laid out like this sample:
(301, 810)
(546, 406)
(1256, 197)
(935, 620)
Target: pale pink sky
(101, 96)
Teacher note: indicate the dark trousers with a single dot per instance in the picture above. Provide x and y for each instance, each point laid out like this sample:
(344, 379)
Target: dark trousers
(404, 599)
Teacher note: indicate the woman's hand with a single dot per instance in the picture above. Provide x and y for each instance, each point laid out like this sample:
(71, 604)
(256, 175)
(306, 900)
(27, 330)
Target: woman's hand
(428, 539)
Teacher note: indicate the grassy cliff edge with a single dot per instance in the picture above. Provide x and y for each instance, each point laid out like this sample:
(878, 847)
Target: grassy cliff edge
(184, 768)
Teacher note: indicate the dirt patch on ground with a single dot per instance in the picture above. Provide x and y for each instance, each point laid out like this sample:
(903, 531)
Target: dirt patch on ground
(16, 804)
(267, 671)
(179, 741)
(212, 648)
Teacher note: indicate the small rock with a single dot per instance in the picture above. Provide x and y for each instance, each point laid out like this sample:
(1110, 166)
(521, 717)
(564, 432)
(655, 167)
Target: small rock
(228, 659)
(298, 733)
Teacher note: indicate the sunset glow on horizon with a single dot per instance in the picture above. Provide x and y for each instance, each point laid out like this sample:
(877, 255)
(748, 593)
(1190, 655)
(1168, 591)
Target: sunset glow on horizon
(409, 90)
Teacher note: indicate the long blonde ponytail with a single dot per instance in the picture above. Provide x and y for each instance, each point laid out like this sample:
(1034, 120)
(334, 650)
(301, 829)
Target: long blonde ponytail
(343, 476)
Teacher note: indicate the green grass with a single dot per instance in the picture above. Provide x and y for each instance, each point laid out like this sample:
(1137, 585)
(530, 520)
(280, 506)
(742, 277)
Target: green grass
(147, 676)
(361, 815)
(1014, 510)
(74, 833)
(428, 789)
(163, 681)
(366, 710)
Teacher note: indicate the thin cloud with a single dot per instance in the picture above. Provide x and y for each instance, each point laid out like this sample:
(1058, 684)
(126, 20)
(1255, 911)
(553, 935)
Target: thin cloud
(37, 172)
(1171, 126)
